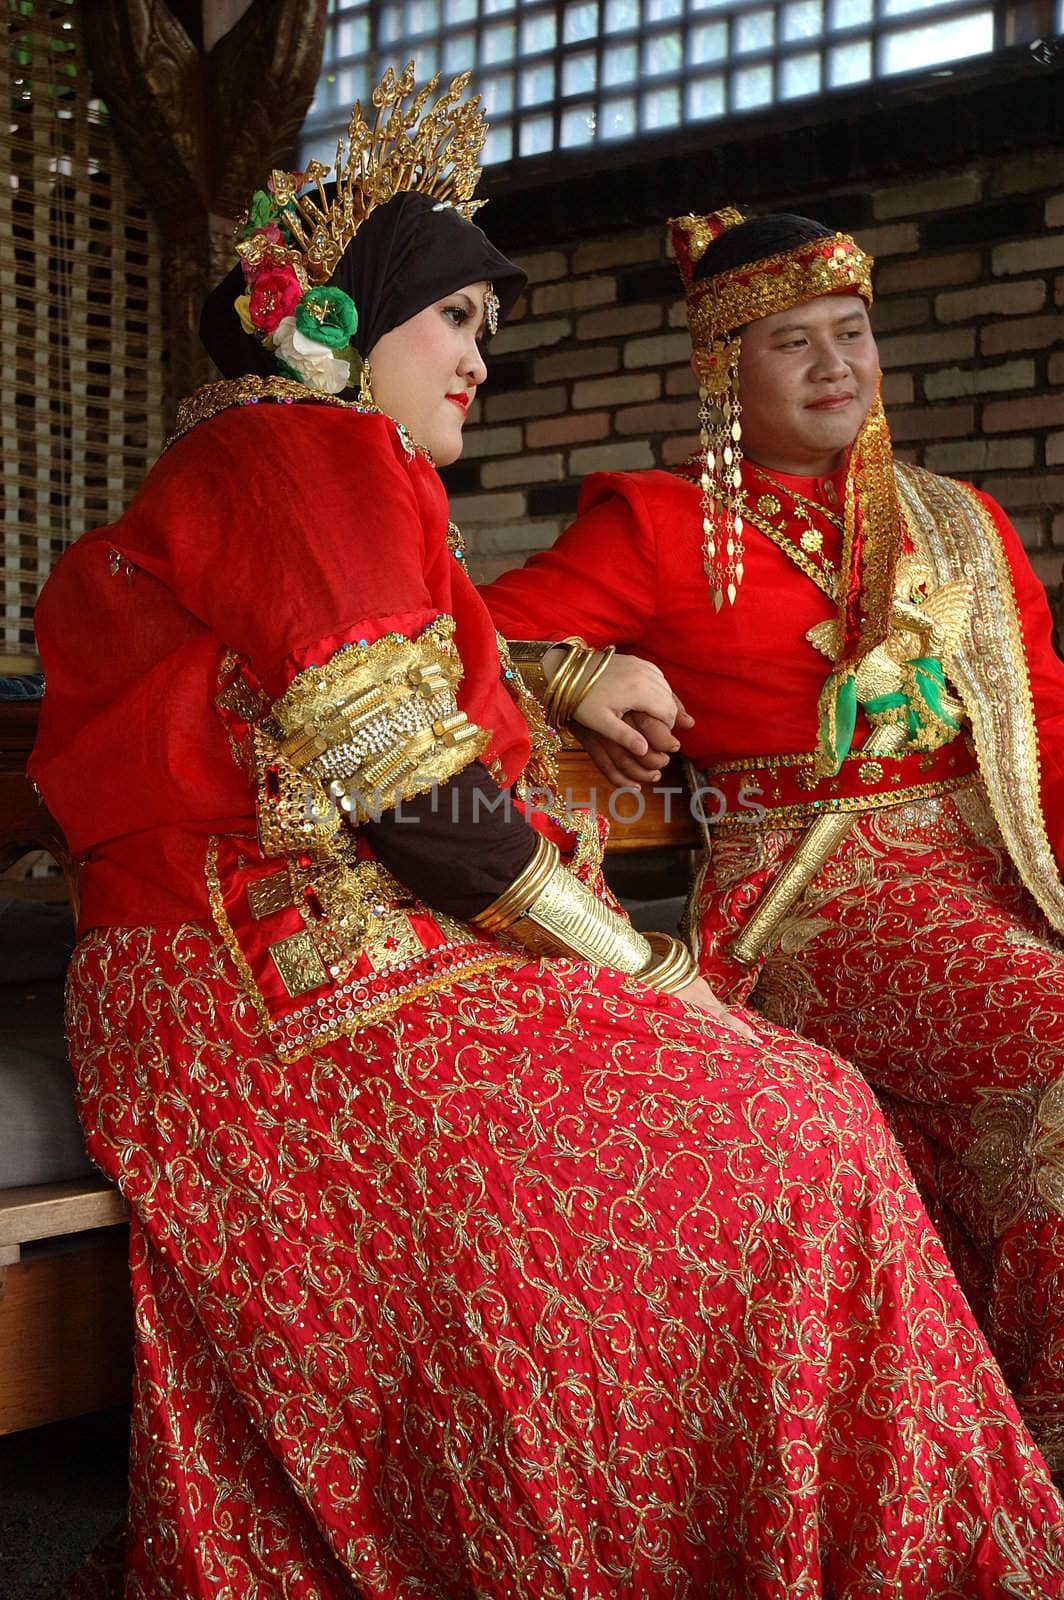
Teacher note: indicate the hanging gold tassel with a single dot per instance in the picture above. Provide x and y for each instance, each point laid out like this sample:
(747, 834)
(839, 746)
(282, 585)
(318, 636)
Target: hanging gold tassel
(720, 444)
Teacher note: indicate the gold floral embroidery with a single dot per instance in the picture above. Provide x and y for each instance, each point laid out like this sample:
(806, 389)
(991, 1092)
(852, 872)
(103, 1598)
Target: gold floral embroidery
(533, 1280)
(1035, 1570)
(917, 953)
(1018, 1151)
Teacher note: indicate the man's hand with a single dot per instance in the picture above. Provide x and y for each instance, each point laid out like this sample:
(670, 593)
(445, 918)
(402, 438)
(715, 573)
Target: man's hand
(624, 764)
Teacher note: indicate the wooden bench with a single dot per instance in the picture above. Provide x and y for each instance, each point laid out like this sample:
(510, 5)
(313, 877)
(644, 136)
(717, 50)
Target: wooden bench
(65, 1316)
(66, 1331)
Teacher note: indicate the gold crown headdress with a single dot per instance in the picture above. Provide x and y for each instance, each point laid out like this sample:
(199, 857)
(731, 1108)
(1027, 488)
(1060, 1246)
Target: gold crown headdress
(718, 306)
(291, 243)
(434, 151)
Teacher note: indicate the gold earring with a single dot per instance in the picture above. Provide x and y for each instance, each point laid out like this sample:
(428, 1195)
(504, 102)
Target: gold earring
(365, 382)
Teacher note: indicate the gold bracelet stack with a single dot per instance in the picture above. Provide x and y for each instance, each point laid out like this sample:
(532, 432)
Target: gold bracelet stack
(549, 912)
(581, 669)
(672, 967)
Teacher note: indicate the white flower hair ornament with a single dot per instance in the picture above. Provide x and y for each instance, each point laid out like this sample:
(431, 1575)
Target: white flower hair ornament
(309, 360)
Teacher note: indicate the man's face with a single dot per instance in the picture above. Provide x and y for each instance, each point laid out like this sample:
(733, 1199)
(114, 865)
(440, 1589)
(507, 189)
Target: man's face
(806, 380)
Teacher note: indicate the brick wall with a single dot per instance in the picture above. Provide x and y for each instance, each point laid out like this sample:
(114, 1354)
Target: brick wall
(592, 371)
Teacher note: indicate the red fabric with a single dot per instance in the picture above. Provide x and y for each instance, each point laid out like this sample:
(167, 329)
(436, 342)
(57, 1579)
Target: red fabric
(319, 509)
(545, 1289)
(916, 952)
(540, 1286)
(629, 572)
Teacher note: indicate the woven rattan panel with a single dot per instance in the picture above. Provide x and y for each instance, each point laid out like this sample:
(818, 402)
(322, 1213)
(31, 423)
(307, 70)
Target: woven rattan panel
(81, 332)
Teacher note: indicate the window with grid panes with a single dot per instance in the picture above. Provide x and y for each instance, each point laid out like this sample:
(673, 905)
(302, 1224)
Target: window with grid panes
(570, 75)
(81, 315)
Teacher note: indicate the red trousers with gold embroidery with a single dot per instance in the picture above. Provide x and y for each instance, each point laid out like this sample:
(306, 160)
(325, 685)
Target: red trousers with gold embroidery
(545, 1288)
(918, 955)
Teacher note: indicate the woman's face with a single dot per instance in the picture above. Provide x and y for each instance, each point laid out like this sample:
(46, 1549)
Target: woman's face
(425, 372)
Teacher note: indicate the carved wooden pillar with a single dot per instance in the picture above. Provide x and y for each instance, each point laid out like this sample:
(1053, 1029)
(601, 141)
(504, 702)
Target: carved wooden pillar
(201, 127)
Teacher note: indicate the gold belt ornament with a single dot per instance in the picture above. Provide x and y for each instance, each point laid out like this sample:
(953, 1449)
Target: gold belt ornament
(901, 685)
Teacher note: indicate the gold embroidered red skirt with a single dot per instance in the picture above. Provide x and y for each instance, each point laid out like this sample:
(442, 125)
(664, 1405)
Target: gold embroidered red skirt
(542, 1288)
(917, 954)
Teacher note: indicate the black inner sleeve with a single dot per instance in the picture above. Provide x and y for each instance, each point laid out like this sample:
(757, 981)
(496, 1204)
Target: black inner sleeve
(458, 846)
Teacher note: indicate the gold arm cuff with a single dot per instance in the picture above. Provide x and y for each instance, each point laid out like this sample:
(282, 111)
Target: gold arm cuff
(672, 966)
(379, 723)
(550, 912)
(527, 656)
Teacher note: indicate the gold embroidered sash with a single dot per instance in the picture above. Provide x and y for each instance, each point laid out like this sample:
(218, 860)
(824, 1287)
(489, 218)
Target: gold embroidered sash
(956, 535)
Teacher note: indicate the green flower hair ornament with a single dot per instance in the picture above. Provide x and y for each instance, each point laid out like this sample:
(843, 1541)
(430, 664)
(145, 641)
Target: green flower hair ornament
(328, 316)
(308, 329)
(262, 210)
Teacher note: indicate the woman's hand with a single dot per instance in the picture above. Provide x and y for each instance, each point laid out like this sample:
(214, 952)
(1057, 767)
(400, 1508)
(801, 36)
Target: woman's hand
(698, 993)
(626, 719)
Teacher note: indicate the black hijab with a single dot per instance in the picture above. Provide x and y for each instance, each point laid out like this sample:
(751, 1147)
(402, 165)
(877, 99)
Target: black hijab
(407, 254)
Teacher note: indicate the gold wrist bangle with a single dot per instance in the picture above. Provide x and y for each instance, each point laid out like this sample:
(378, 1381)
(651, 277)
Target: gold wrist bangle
(529, 883)
(562, 681)
(550, 912)
(574, 679)
(567, 699)
(589, 680)
(672, 965)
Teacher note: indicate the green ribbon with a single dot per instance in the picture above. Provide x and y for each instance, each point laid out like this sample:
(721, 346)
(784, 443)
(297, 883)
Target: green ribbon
(922, 705)
(838, 719)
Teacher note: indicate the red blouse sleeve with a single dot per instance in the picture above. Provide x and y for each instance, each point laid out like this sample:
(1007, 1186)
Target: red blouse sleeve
(304, 531)
(599, 581)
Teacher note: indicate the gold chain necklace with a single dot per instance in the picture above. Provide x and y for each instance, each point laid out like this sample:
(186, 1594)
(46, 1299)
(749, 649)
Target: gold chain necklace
(769, 506)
